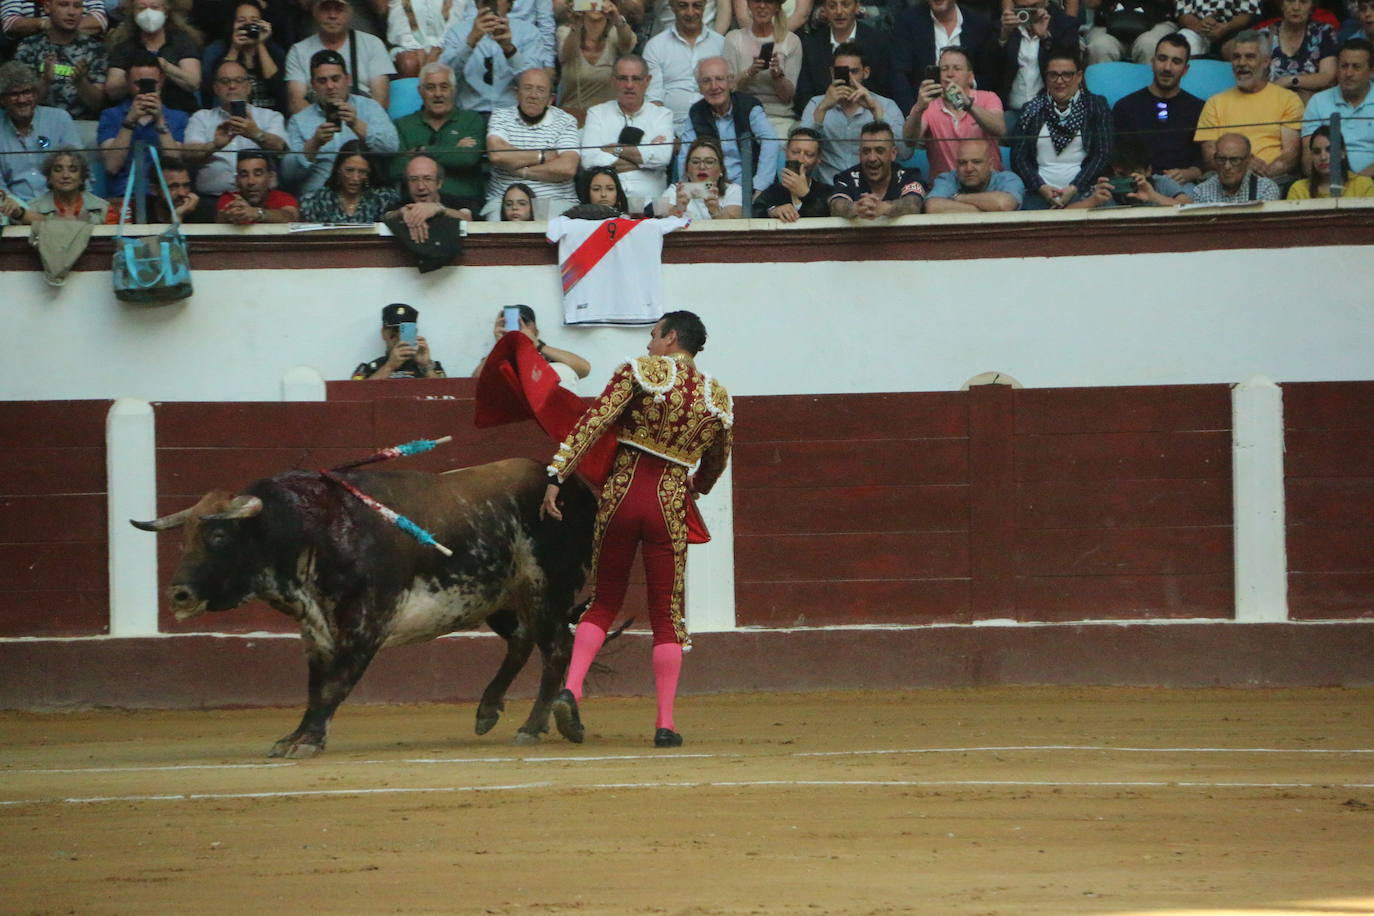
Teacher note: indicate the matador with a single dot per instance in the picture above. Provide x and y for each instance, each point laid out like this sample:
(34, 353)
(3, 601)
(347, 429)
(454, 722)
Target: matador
(669, 417)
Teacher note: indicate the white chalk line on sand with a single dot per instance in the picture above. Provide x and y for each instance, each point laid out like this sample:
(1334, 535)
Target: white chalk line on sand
(695, 784)
(607, 758)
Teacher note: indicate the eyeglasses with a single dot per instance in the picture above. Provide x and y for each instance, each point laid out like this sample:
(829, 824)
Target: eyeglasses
(698, 162)
(231, 80)
(44, 142)
(1060, 76)
(18, 93)
(1161, 111)
(1230, 160)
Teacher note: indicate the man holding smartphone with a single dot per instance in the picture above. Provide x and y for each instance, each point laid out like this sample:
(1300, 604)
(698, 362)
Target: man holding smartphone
(214, 136)
(488, 52)
(141, 117)
(799, 192)
(847, 106)
(628, 134)
(407, 353)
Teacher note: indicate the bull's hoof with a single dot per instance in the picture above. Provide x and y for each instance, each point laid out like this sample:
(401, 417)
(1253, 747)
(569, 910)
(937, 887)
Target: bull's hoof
(296, 748)
(526, 738)
(565, 715)
(486, 723)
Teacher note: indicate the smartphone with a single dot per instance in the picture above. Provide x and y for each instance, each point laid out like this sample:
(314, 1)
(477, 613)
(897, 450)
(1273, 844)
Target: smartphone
(1122, 185)
(512, 315)
(840, 74)
(630, 135)
(696, 190)
(63, 71)
(585, 6)
(238, 109)
(145, 86)
(766, 52)
(331, 113)
(933, 73)
(409, 332)
(488, 6)
(793, 165)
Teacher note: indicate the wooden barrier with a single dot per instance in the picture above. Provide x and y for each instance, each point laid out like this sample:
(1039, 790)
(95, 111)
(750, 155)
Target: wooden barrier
(54, 576)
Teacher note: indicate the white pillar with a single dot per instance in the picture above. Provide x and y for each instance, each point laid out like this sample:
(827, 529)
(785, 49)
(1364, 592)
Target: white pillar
(302, 383)
(711, 566)
(1261, 559)
(131, 474)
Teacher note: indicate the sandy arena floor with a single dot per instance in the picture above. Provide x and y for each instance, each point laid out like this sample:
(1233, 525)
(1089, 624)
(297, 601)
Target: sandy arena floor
(994, 801)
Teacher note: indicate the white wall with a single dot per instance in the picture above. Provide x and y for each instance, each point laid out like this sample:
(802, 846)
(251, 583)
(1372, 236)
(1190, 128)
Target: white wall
(1217, 316)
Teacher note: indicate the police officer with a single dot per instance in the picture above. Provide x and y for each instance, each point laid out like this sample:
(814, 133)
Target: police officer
(402, 358)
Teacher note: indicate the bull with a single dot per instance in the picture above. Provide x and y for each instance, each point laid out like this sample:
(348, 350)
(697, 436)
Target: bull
(357, 584)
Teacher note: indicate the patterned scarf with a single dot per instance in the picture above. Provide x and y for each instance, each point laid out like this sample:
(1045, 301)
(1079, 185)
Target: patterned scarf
(1064, 126)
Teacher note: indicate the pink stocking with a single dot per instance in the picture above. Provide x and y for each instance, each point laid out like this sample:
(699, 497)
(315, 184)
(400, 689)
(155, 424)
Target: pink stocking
(667, 667)
(586, 643)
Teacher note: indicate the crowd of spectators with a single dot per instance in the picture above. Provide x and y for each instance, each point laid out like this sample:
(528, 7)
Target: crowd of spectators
(279, 110)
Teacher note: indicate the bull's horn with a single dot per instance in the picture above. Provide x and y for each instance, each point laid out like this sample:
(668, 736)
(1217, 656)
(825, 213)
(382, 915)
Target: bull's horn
(174, 520)
(239, 507)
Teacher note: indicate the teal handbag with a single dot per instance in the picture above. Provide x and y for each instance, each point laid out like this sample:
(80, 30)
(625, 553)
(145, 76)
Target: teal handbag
(153, 268)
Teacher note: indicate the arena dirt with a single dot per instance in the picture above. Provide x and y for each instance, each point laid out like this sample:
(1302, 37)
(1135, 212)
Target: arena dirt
(997, 801)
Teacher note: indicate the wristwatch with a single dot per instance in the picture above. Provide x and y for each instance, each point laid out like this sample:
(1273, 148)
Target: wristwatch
(262, 215)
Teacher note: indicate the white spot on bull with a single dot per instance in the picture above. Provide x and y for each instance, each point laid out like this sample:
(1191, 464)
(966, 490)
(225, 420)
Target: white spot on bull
(428, 610)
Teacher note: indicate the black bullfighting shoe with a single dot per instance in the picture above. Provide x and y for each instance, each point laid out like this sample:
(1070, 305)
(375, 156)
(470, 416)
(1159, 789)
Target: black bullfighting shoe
(565, 715)
(666, 737)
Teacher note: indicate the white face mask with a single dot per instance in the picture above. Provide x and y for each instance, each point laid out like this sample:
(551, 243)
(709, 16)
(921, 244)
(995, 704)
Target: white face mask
(150, 20)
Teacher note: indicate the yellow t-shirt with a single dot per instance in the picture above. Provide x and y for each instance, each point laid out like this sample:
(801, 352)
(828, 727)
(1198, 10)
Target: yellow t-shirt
(1262, 109)
(1355, 186)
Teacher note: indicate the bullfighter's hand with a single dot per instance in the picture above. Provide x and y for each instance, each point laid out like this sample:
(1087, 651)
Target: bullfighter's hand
(549, 507)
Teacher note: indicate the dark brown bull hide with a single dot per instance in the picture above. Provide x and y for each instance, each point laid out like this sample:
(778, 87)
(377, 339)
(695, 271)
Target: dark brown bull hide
(357, 584)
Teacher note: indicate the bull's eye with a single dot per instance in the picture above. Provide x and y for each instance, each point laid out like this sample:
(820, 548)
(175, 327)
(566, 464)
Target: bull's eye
(216, 538)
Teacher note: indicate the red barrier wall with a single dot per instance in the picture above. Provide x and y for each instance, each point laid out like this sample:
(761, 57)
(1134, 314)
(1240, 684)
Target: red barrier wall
(54, 564)
(1329, 488)
(1034, 504)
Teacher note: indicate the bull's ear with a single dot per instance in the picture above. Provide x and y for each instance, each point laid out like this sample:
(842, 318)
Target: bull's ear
(174, 520)
(239, 507)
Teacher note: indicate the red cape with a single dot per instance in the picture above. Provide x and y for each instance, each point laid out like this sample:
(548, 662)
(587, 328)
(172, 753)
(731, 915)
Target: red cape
(518, 384)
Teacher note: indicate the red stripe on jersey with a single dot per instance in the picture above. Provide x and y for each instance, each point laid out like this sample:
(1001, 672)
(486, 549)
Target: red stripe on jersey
(593, 249)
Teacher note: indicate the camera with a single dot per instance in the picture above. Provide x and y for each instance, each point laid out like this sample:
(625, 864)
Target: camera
(1023, 15)
(252, 30)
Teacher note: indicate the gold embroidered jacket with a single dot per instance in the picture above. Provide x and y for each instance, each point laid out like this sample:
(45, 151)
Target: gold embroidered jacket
(666, 407)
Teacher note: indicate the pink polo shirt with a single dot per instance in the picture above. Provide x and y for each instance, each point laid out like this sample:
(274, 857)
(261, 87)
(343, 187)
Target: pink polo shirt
(944, 132)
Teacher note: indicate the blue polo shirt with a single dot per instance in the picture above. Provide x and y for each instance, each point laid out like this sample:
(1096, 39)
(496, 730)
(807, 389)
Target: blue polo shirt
(311, 176)
(51, 130)
(947, 184)
(112, 118)
(1359, 135)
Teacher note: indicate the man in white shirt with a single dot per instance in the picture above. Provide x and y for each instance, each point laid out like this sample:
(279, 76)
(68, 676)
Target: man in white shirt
(369, 64)
(641, 164)
(215, 135)
(673, 55)
(534, 143)
(841, 113)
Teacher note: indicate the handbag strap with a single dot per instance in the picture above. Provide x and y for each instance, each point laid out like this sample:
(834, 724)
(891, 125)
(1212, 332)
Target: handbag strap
(162, 182)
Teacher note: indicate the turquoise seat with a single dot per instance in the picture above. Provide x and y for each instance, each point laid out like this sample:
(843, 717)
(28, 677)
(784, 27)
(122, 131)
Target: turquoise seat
(919, 160)
(405, 97)
(1205, 78)
(1115, 79)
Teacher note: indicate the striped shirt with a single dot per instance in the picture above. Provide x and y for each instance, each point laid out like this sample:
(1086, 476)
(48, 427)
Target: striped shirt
(556, 130)
(13, 10)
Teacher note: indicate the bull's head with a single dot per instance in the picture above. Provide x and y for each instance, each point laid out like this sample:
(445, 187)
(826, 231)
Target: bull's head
(215, 573)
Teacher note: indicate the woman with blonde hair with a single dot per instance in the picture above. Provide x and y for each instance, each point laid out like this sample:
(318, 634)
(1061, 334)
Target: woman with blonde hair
(587, 49)
(159, 27)
(773, 81)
